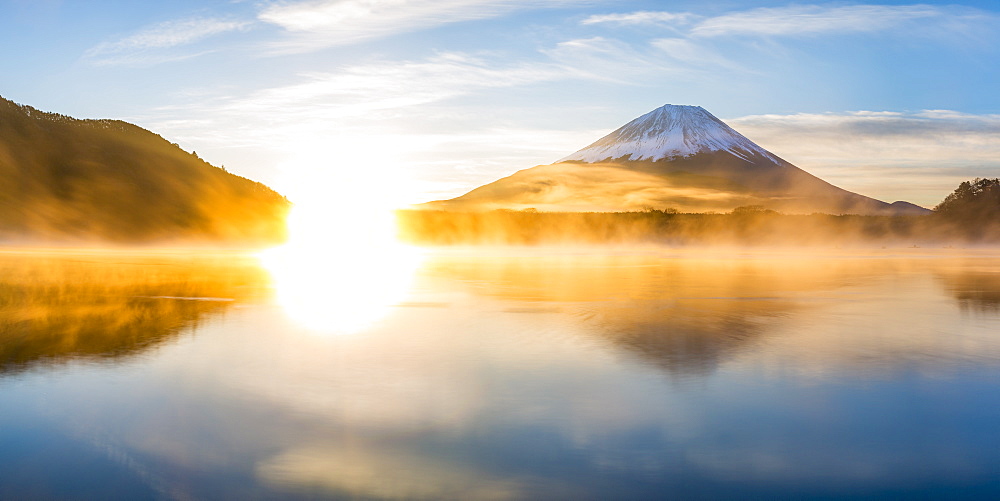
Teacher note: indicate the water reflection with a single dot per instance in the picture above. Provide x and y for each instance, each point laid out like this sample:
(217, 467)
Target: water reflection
(977, 289)
(550, 375)
(354, 471)
(690, 312)
(340, 273)
(343, 292)
(56, 306)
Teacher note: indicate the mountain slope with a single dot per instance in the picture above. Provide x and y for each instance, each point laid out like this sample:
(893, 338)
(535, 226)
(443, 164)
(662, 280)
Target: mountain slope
(675, 156)
(70, 179)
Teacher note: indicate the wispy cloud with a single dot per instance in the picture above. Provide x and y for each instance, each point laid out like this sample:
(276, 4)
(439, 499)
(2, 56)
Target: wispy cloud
(927, 152)
(395, 109)
(323, 23)
(150, 44)
(642, 17)
(373, 97)
(695, 55)
(803, 19)
(361, 89)
(615, 61)
(808, 19)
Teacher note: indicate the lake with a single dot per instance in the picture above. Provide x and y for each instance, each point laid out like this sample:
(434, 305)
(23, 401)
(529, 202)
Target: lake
(500, 373)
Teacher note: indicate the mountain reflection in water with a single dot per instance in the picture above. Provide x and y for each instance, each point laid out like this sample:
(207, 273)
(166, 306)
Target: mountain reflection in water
(507, 374)
(687, 312)
(96, 305)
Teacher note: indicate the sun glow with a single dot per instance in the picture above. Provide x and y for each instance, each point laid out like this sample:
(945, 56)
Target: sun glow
(342, 269)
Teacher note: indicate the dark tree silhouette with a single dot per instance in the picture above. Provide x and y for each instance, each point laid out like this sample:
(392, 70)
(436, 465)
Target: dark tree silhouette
(752, 210)
(973, 201)
(973, 209)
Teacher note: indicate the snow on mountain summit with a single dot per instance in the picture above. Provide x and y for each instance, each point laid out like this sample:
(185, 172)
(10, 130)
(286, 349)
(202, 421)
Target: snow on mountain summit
(671, 131)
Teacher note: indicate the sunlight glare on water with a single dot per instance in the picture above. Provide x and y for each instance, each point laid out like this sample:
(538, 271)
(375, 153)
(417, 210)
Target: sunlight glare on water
(342, 268)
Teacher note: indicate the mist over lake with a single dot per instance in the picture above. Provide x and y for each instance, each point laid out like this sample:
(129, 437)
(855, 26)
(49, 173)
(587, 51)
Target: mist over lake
(505, 373)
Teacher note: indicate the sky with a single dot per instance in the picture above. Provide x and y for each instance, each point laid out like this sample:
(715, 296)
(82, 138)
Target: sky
(427, 99)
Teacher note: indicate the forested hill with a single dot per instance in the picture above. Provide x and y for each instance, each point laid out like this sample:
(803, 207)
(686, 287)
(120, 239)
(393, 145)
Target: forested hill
(64, 179)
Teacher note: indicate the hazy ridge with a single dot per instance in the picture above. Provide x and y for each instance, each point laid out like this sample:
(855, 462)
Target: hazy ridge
(75, 180)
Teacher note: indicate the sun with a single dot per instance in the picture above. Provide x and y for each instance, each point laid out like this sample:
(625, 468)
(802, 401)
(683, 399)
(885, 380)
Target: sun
(343, 268)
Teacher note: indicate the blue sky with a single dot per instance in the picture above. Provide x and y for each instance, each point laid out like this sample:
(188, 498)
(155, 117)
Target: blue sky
(894, 100)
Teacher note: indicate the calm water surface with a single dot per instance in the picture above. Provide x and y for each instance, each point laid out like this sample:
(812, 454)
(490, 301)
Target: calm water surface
(501, 374)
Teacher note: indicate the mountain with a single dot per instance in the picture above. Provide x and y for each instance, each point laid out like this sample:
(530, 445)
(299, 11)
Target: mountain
(66, 179)
(671, 131)
(674, 156)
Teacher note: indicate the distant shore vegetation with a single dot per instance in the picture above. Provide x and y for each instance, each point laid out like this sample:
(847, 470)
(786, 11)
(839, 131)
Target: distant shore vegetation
(969, 216)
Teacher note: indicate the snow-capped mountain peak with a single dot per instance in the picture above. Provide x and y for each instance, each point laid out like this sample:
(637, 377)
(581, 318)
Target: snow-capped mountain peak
(671, 131)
